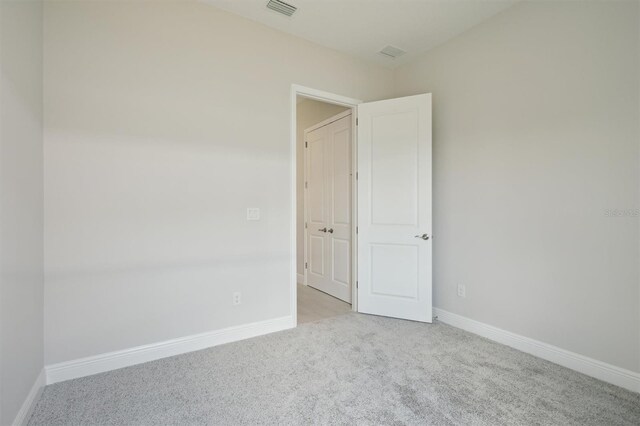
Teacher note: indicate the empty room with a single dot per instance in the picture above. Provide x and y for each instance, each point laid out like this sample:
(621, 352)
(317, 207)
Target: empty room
(240, 212)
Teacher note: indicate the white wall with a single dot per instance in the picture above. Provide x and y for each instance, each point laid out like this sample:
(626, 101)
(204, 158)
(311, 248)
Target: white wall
(21, 214)
(163, 123)
(308, 113)
(535, 137)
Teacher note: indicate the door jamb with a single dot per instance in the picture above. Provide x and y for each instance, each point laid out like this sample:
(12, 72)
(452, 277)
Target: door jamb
(307, 92)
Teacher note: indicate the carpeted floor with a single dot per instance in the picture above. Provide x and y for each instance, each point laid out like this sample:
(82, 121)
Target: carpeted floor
(351, 369)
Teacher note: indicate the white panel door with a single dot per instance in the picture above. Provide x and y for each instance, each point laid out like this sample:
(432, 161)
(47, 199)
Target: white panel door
(394, 208)
(339, 225)
(328, 192)
(317, 266)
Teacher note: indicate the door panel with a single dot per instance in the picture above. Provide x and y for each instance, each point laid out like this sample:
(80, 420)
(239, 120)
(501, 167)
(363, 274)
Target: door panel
(341, 270)
(341, 185)
(328, 192)
(394, 172)
(394, 206)
(394, 270)
(316, 196)
(317, 176)
(340, 205)
(316, 255)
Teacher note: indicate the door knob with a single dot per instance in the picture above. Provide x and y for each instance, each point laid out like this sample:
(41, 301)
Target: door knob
(423, 236)
(330, 230)
(322, 229)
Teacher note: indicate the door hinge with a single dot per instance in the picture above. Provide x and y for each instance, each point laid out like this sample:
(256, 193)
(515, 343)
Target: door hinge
(356, 284)
(305, 225)
(305, 265)
(356, 175)
(306, 144)
(356, 121)
(306, 185)
(356, 229)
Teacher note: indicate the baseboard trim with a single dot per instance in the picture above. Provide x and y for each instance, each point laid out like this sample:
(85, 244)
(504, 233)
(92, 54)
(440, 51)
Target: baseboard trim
(140, 354)
(30, 401)
(591, 367)
(300, 278)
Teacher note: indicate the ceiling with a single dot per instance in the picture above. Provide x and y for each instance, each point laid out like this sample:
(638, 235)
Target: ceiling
(363, 27)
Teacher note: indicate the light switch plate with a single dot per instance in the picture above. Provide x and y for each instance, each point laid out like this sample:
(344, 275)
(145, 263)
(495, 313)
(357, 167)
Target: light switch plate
(462, 290)
(253, 213)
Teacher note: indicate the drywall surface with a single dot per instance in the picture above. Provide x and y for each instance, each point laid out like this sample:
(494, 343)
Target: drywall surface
(21, 212)
(536, 174)
(309, 112)
(164, 122)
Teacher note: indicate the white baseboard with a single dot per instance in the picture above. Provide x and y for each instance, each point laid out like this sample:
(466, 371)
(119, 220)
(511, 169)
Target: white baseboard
(591, 367)
(30, 401)
(300, 278)
(140, 354)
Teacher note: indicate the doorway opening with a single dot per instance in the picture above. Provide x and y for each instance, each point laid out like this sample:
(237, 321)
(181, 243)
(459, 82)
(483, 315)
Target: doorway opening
(389, 205)
(324, 174)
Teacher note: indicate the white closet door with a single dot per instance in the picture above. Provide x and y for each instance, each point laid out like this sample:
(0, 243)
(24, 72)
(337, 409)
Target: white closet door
(317, 215)
(394, 208)
(339, 225)
(328, 193)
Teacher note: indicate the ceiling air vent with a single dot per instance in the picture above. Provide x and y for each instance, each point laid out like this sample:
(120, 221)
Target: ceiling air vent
(281, 7)
(392, 52)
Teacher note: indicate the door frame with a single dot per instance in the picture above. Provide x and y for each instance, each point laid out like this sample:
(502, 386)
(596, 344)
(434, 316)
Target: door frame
(339, 116)
(319, 95)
